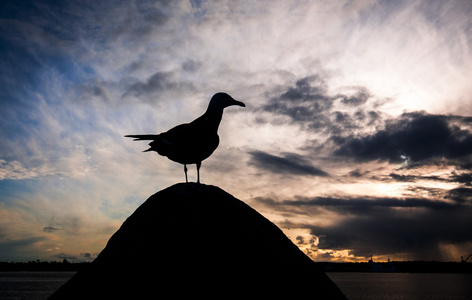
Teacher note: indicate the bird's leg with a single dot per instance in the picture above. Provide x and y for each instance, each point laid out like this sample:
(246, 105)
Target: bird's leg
(185, 170)
(199, 164)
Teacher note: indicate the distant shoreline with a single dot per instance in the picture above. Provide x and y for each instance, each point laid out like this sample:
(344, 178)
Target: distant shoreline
(397, 267)
(379, 267)
(43, 266)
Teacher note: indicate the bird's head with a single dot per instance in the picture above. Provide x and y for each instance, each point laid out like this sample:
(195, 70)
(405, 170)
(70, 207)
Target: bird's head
(222, 100)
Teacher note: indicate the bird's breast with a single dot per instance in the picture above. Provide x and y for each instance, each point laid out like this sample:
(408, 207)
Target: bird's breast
(191, 150)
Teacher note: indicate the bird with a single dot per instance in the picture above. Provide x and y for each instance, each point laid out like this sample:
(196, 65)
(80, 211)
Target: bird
(193, 142)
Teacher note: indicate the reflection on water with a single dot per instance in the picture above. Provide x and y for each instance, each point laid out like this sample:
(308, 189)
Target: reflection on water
(31, 285)
(404, 286)
(356, 286)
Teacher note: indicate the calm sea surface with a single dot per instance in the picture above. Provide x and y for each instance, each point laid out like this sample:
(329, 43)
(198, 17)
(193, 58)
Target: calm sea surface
(356, 286)
(404, 286)
(31, 285)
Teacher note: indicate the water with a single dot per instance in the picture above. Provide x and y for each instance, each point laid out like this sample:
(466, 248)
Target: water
(356, 286)
(404, 286)
(31, 285)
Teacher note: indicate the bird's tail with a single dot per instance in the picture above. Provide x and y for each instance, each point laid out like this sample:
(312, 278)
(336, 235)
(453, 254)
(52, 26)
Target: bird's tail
(158, 144)
(143, 137)
(154, 146)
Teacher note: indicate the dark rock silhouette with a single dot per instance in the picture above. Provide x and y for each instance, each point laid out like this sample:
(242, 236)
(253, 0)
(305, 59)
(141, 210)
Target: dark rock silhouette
(193, 142)
(197, 240)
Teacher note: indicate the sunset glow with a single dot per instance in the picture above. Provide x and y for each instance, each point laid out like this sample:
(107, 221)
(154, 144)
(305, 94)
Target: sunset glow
(356, 139)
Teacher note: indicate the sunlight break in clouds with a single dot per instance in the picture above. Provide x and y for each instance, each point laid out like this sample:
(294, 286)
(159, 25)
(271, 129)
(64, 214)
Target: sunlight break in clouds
(357, 130)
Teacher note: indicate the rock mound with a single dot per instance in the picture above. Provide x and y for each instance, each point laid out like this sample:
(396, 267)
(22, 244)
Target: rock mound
(198, 240)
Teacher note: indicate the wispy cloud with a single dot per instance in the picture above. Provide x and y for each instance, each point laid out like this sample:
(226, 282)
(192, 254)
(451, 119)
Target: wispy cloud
(362, 99)
(289, 163)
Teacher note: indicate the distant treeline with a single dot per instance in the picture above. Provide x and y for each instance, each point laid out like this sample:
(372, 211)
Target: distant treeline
(398, 266)
(43, 266)
(393, 266)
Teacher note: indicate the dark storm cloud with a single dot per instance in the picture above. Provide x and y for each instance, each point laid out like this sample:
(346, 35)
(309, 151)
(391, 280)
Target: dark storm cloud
(416, 136)
(289, 163)
(156, 83)
(310, 104)
(359, 205)
(428, 192)
(65, 256)
(389, 232)
(367, 203)
(50, 229)
(304, 102)
(360, 96)
(191, 66)
(384, 226)
(93, 91)
(465, 178)
(412, 138)
(461, 179)
(461, 194)
(413, 178)
(311, 88)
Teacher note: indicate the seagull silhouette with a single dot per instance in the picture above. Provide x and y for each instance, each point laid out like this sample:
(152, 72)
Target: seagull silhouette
(191, 143)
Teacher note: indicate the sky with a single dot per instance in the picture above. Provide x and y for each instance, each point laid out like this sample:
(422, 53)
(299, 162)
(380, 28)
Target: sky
(356, 138)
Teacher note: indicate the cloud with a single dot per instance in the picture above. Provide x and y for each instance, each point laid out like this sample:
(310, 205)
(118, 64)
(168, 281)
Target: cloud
(50, 229)
(460, 195)
(289, 163)
(366, 205)
(307, 101)
(94, 91)
(159, 82)
(359, 96)
(81, 257)
(311, 104)
(417, 136)
(413, 178)
(319, 77)
(63, 255)
(463, 179)
(15, 170)
(383, 226)
(21, 248)
(394, 232)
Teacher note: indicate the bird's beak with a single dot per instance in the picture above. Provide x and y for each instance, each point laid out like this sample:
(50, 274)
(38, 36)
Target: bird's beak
(236, 102)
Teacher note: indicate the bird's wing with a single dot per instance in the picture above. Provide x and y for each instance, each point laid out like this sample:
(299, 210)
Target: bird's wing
(181, 134)
(143, 137)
